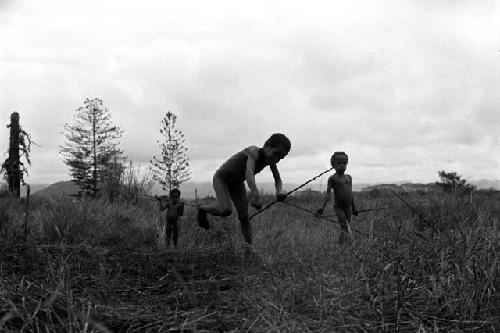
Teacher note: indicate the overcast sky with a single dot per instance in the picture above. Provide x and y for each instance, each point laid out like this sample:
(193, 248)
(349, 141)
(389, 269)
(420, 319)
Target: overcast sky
(406, 88)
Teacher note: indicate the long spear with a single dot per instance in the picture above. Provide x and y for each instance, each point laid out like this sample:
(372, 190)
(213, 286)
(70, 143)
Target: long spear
(321, 216)
(371, 209)
(420, 216)
(287, 194)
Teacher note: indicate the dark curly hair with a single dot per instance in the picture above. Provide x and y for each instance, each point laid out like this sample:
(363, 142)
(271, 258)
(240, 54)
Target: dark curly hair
(336, 154)
(278, 139)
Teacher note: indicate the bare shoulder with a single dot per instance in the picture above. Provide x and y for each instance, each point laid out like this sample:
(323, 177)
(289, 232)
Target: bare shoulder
(252, 151)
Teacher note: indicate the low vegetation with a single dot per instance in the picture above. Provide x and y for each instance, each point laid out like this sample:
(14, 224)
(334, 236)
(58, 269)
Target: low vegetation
(430, 263)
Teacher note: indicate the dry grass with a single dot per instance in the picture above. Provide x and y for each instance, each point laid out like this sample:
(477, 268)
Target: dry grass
(95, 267)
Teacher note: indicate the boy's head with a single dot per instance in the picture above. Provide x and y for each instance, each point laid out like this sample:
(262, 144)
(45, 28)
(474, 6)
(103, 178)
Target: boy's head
(175, 194)
(276, 148)
(339, 161)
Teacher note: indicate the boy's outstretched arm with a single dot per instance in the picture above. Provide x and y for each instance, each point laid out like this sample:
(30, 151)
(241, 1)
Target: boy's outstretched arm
(327, 196)
(255, 200)
(163, 200)
(278, 184)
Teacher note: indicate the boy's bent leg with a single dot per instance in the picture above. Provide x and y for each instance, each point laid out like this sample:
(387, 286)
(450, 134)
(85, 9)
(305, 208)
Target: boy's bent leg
(239, 195)
(168, 233)
(222, 207)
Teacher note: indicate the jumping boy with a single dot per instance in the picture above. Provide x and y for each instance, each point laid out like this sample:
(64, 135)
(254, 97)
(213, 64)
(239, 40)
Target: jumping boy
(229, 182)
(175, 208)
(341, 184)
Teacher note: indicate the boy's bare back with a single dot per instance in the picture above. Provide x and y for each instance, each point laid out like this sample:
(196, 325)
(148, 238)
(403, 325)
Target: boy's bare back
(233, 170)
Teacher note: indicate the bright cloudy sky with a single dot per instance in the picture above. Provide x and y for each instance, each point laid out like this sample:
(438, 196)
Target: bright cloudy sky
(407, 88)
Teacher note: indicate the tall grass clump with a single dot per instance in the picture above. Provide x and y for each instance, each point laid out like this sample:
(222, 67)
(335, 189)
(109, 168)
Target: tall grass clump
(12, 216)
(398, 276)
(45, 303)
(7, 212)
(94, 222)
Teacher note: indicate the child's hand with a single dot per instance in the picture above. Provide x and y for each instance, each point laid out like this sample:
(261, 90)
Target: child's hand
(355, 212)
(319, 212)
(256, 202)
(280, 197)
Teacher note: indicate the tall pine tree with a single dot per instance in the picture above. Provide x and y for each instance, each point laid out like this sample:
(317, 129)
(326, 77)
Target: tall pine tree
(172, 168)
(91, 147)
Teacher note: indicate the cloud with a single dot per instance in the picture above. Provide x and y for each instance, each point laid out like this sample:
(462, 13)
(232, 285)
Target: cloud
(394, 84)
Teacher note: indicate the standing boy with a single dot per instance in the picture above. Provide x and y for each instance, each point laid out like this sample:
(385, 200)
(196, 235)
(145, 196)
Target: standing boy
(175, 208)
(229, 182)
(341, 184)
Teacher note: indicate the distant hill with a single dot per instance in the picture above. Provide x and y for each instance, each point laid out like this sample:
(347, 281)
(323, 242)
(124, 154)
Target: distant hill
(406, 187)
(411, 187)
(63, 188)
(487, 184)
(205, 189)
(33, 188)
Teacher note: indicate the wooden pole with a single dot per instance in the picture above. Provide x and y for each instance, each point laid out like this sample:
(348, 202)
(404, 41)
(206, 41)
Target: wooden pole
(27, 212)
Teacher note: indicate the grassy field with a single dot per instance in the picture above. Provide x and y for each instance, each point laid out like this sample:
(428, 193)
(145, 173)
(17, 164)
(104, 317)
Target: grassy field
(93, 266)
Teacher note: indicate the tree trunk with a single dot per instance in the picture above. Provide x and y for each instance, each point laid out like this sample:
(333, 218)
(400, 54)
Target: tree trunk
(14, 163)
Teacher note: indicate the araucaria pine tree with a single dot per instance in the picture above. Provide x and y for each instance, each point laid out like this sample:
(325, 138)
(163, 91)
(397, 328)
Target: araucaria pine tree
(172, 168)
(19, 145)
(91, 147)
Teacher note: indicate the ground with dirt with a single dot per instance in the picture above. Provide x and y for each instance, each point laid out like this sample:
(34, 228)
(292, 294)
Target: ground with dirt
(133, 290)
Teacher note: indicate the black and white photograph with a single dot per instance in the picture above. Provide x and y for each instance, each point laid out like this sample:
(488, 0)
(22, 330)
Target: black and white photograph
(249, 166)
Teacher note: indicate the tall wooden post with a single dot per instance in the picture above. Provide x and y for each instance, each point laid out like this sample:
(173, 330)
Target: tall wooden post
(13, 164)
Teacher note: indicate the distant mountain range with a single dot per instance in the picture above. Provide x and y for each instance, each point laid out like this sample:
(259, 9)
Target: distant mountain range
(204, 189)
(62, 188)
(487, 184)
(33, 188)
